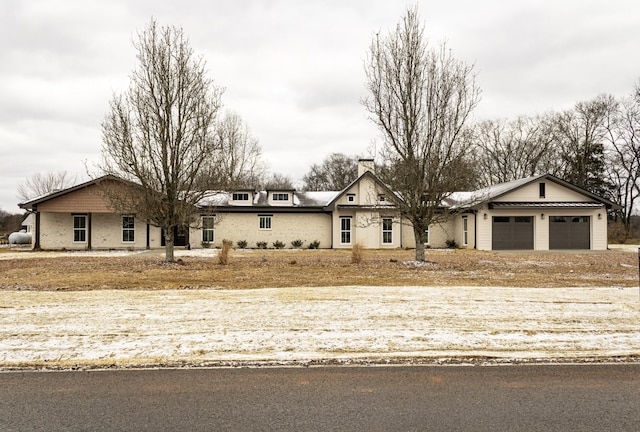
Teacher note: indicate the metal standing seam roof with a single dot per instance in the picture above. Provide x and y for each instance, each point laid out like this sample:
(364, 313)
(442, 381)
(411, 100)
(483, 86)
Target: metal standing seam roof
(518, 204)
(260, 199)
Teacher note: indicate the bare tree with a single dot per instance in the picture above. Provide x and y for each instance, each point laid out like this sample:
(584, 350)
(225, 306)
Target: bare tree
(239, 155)
(509, 150)
(41, 184)
(420, 98)
(335, 173)
(623, 158)
(278, 181)
(10, 222)
(159, 133)
(580, 135)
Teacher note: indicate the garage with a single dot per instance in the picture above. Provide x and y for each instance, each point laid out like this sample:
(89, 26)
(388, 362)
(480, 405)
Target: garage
(569, 232)
(512, 232)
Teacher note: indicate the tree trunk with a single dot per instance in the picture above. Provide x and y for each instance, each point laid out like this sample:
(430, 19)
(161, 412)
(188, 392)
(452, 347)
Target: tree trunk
(419, 236)
(168, 244)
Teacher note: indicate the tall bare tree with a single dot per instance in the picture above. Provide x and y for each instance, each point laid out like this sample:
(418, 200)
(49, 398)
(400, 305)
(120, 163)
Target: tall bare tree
(623, 159)
(159, 133)
(41, 184)
(421, 98)
(239, 154)
(512, 149)
(333, 174)
(580, 134)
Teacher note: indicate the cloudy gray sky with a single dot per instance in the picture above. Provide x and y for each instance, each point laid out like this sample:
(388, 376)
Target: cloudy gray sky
(292, 69)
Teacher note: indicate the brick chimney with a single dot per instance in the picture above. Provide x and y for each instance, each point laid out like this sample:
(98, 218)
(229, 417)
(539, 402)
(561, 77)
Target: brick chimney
(365, 165)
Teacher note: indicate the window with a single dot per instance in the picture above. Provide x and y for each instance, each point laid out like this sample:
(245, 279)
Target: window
(542, 189)
(280, 197)
(345, 230)
(240, 196)
(208, 223)
(80, 229)
(387, 230)
(426, 236)
(128, 229)
(465, 231)
(382, 198)
(265, 222)
(351, 197)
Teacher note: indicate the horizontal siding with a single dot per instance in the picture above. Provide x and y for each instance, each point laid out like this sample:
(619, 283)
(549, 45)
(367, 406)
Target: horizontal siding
(86, 200)
(553, 193)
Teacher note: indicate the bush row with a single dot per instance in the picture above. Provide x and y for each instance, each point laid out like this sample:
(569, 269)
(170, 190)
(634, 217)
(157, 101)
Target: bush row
(295, 244)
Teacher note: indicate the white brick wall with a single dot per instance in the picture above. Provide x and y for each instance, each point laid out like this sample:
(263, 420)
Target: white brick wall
(56, 232)
(285, 227)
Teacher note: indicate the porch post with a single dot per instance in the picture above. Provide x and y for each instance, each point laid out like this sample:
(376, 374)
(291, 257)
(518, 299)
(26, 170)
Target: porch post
(36, 244)
(89, 231)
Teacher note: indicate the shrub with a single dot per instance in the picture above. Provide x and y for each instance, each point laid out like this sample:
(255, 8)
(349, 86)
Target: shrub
(296, 244)
(223, 256)
(314, 244)
(242, 244)
(357, 252)
(261, 244)
(206, 244)
(278, 244)
(617, 232)
(452, 244)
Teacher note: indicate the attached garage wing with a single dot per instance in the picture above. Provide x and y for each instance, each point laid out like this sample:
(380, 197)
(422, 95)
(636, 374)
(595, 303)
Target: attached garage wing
(512, 232)
(569, 232)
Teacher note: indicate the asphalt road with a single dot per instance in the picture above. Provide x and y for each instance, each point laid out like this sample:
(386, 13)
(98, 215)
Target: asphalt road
(414, 398)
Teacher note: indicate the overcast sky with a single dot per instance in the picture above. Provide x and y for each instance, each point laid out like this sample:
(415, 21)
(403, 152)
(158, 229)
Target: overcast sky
(292, 69)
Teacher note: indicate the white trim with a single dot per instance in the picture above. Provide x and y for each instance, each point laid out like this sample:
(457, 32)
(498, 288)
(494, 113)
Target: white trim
(206, 229)
(82, 229)
(348, 232)
(265, 222)
(387, 231)
(132, 229)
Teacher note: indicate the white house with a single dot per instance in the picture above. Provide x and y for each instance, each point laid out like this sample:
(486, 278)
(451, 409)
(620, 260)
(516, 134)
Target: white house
(536, 213)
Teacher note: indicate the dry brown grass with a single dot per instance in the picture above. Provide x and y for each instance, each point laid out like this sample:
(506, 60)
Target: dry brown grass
(357, 253)
(286, 268)
(223, 255)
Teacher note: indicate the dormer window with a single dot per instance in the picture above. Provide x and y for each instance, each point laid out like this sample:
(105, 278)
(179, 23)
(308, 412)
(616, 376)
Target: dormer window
(382, 198)
(240, 196)
(351, 197)
(279, 196)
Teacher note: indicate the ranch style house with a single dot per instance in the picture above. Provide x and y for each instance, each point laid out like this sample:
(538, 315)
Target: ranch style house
(541, 212)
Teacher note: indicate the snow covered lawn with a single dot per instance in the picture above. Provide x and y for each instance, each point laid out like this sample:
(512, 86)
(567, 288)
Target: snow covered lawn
(311, 324)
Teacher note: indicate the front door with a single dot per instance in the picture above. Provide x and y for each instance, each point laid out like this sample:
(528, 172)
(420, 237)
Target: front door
(180, 236)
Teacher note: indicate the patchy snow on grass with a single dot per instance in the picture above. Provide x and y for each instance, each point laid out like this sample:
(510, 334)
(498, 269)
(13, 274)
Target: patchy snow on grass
(307, 324)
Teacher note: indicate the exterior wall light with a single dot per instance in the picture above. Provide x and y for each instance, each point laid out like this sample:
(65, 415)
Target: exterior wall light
(599, 216)
(542, 216)
(486, 216)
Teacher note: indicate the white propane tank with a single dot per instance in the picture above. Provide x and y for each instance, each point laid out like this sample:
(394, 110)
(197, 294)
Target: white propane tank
(21, 237)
